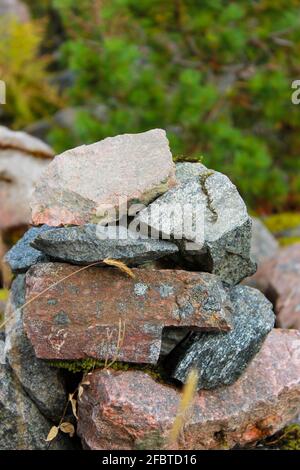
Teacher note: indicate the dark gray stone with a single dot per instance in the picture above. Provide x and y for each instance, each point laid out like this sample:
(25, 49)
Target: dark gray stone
(223, 239)
(22, 256)
(81, 245)
(171, 337)
(221, 358)
(22, 427)
(43, 384)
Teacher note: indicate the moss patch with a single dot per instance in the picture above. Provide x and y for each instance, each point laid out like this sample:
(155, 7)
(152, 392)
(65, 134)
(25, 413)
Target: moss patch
(4, 293)
(287, 439)
(279, 222)
(89, 364)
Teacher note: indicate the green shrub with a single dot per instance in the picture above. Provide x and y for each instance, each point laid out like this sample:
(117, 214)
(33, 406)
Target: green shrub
(216, 74)
(29, 95)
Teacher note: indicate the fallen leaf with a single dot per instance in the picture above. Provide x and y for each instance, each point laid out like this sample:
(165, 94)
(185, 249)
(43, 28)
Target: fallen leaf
(80, 391)
(73, 404)
(120, 265)
(52, 433)
(67, 428)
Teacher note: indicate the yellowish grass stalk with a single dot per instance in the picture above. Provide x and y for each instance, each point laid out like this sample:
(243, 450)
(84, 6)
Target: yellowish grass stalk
(185, 405)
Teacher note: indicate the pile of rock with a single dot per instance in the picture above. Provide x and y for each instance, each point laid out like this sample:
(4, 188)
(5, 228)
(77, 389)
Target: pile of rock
(178, 306)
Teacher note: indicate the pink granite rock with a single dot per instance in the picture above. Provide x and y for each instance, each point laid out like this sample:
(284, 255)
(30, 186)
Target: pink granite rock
(279, 279)
(19, 171)
(80, 183)
(129, 410)
(84, 315)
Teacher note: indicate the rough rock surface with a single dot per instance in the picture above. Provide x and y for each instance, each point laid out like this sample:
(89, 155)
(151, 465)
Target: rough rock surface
(129, 410)
(19, 171)
(83, 245)
(83, 316)
(23, 427)
(220, 358)
(222, 239)
(43, 383)
(263, 244)
(22, 255)
(80, 182)
(280, 277)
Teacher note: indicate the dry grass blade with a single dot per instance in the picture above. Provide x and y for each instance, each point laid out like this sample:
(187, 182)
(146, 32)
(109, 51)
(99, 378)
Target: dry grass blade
(73, 404)
(120, 341)
(51, 287)
(52, 434)
(119, 265)
(186, 402)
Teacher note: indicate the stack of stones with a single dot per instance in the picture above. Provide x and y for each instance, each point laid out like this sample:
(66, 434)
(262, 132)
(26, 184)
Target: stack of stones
(179, 306)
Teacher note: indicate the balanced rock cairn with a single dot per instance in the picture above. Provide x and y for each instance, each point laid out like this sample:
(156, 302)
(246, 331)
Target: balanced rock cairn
(133, 267)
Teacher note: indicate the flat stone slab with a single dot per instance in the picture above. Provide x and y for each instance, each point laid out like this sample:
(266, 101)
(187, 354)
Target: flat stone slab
(221, 358)
(81, 183)
(84, 245)
(22, 255)
(84, 316)
(221, 239)
(129, 410)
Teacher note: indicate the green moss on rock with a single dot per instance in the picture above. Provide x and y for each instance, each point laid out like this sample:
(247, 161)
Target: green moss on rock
(89, 364)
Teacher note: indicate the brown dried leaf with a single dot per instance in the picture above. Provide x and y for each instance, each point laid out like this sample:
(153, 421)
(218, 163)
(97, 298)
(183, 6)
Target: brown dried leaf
(52, 433)
(86, 382)
(67, 428)
(80, 391)
(119, 265)
(73, 404)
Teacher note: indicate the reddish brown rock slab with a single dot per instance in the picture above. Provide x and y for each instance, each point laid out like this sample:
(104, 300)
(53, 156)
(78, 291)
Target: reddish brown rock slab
(82, 182)
(129, 410)
(279, 279)
(83, 316)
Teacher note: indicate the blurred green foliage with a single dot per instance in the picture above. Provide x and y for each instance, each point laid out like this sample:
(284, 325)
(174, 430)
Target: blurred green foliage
(215, 74)
(29, 94)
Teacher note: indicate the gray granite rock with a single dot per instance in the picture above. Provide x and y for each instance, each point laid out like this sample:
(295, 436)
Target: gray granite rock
(263, 244)
(22, 256)
(43, 384)
(82, 245)
(171, 337)
(22, 427)
(2, 352)
(222, 237)
(221, 358)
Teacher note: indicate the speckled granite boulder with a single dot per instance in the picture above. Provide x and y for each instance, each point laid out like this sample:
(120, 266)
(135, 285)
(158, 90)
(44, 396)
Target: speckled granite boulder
(130, 410)
(221, 358)
(222, 240)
